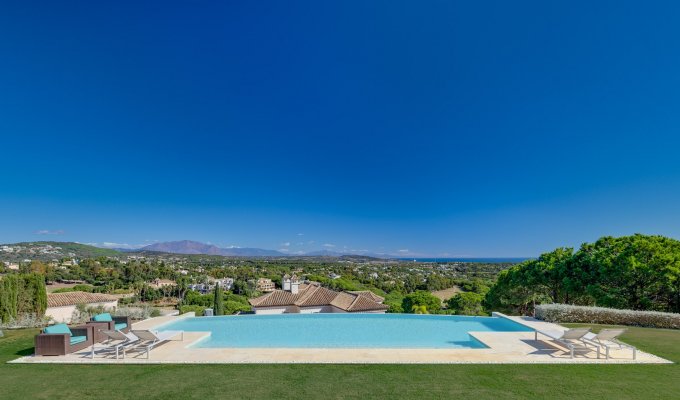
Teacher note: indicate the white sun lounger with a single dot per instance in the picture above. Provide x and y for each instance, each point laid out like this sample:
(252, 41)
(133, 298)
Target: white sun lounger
(608, 338)
(117, 341)
(149, 339)
(566, 337)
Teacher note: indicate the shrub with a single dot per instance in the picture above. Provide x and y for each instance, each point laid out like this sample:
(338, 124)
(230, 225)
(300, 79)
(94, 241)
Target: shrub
(199, 310)
(196, 299)
(83, 313)
(421, 298)
(232, 307)
(138, 313)
(609, 316)
(467, 303)
(25, 321)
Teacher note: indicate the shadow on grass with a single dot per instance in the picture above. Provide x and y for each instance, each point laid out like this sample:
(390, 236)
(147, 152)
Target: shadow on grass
(25, 352)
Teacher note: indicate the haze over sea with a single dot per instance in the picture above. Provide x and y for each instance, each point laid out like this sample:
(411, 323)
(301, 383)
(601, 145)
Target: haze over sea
(468, 260)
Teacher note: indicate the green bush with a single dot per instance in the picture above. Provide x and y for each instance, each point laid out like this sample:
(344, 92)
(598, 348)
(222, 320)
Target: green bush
(608, 316)
(199, 310)
(194, 298)
(232, 307)
(415, 301)
(467, 303)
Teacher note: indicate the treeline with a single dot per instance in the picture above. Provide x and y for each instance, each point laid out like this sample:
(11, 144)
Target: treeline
(196, 302)
(22, 294)
(638, 272)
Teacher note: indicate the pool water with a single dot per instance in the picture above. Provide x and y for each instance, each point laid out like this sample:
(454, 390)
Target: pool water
(343, 330)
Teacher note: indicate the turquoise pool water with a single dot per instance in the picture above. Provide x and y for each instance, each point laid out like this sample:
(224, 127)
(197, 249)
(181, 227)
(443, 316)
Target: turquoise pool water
(344, 330)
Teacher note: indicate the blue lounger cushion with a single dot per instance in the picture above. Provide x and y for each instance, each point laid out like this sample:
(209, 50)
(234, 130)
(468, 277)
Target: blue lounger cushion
(121, 326)
(78, 339)
(59, 329)
(105, 317)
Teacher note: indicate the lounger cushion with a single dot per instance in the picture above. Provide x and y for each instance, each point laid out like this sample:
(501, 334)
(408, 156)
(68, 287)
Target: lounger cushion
(121, 326)
(58, 328)
(105, 317)
(78, 339)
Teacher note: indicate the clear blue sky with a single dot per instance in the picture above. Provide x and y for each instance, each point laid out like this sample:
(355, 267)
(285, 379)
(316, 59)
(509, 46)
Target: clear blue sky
(431, 128)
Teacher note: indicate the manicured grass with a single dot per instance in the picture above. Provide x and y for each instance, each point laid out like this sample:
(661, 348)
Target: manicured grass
(344, 381)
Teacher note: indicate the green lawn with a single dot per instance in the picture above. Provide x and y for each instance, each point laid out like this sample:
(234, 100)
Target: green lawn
(344, 381)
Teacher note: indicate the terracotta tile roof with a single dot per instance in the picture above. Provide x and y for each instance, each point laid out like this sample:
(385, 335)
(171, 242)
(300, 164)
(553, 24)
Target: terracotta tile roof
(314, 294)
(343, 300)
(363, 303)
(276, 298)
(370, 295)
(73, 298)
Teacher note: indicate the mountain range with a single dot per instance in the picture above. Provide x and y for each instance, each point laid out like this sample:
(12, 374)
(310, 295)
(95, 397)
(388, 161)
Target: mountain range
(50, 251)
(191, 247)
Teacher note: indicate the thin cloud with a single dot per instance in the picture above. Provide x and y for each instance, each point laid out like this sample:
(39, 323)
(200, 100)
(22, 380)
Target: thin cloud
(403, 251)
(49, 232)
(286, 244)
(328, 245)
(301, 234)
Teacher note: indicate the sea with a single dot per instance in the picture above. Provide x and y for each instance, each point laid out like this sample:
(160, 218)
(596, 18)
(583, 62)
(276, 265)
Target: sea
(488, 260)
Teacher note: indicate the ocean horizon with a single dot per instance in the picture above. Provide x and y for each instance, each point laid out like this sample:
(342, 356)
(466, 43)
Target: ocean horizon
(468, 260)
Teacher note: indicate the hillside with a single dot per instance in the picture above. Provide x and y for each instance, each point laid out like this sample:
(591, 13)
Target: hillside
(46, 251)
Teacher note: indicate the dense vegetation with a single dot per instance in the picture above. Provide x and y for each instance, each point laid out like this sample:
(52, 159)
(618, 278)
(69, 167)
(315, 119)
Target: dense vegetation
(22, 294)
(636, 272)
(196, 302)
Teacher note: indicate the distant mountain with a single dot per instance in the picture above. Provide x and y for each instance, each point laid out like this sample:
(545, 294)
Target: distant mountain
(184, 247)
(324, 253)
(191, 247)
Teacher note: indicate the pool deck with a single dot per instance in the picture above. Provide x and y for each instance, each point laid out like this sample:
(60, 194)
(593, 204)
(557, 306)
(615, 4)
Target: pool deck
(503, 348)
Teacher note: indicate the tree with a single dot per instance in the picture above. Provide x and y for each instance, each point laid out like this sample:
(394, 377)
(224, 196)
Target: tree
(218, 300)
(22, 294)
(467, 303)
(421, 298)
(639, 272)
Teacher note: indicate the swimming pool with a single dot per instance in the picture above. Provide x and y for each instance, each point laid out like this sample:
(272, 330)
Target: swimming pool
(343, 330)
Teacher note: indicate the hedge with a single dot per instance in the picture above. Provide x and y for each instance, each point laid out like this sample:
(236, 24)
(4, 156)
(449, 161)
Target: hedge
(608, 316)
(199, 310)
(22, 294)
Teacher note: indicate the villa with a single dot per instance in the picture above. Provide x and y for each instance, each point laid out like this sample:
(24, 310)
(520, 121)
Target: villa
(308, 298)
(264, 285)
(61, 306)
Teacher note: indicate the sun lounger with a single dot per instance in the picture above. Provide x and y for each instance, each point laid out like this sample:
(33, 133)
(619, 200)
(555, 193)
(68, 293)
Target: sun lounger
(105, 321)
(149, 339)
(117, 341)
(566, 338)
(608, 338)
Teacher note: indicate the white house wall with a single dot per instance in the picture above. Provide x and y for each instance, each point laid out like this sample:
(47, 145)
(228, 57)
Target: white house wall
(65, 314)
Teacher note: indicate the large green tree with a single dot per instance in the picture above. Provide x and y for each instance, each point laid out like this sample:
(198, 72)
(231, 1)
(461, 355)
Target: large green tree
(413, 302)
(467, 303)
(639, 272)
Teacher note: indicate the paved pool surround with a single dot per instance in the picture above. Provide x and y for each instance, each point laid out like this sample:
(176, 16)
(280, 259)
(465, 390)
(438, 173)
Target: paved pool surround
(501, 348)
